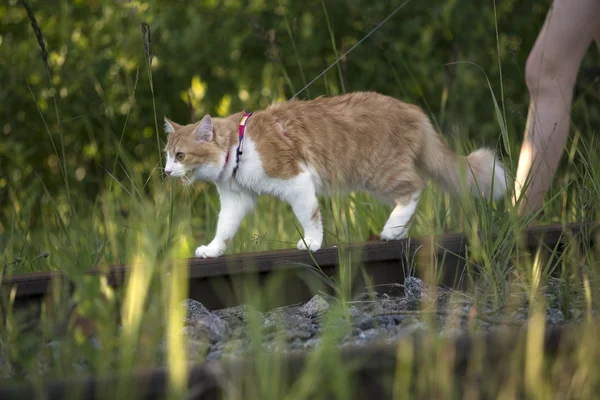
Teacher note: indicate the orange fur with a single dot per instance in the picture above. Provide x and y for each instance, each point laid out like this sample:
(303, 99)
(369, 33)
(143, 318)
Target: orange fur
(362, 140)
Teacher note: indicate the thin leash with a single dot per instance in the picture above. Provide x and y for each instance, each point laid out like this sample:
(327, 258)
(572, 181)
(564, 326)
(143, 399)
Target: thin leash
(242, 125)
(379, 25)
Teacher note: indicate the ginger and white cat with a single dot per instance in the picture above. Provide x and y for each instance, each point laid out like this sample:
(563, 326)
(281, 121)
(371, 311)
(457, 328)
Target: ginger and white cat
(300, 149)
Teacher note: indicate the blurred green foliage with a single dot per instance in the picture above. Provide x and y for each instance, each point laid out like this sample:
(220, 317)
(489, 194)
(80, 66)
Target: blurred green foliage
(100, 102)
(81, 139)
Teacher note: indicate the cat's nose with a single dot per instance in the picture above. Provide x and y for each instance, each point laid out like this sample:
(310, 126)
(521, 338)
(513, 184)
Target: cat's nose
(168, 172)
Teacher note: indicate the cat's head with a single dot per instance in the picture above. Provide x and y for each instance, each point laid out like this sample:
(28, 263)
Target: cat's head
(192, 152)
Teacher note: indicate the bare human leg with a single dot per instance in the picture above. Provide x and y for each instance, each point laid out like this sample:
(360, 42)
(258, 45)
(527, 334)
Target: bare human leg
(550, 74)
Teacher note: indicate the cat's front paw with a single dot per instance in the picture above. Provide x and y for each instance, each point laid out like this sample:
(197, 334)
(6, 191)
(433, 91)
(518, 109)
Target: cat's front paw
(309, 244)
(210, 251)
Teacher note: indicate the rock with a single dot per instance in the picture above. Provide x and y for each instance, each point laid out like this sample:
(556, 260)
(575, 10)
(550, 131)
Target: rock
(287, 316)
(414, 327)
(209, 328)
(390, 320)
(297, 343)
(292, 321)
(364, 296)
(239, 315)
(378, 322)
(303, 332)
(354, 312)
(366, 323)
(413, 289)
(315, 307)
(292, 324)
(196, 347)
(554, 316)
(369, 334)
(312, 342)
(195, 310)
(225, 333)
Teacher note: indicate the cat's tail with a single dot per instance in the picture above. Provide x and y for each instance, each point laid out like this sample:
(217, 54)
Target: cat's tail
(480, 172)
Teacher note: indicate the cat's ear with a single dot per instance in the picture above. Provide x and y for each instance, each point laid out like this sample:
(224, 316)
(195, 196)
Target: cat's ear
(170, 126)
(204, 130)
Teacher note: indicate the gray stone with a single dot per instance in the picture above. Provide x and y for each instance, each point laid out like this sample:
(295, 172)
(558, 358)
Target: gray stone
(369, 334)
(285, 315)
(413, 288)
(354, 311)
(378, 322)
(300, 333)
(195, 310)
(225, 333)
(554, 316)
(364, 296)
(239, 315)
(315, 307)
(390, 320)
(195, 348)
(415, 327)
(366, 323)
(312, 342)
(210, 328)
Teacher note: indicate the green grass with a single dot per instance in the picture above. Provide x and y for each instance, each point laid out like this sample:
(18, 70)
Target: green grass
(143, 219)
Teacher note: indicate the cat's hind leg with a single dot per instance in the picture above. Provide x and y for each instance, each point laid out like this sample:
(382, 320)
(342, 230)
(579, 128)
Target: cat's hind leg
(398, 224)
(406, 198)
(303, 198)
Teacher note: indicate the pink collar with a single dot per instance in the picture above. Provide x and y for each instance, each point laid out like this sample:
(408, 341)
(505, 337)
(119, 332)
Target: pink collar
(241, 131)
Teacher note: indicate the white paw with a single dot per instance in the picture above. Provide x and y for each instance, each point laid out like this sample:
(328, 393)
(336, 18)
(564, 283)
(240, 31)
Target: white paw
(394, 233)
(309, 244)
(210, 251)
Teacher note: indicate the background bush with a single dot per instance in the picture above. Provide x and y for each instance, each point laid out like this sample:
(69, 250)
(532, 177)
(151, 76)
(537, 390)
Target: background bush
(97, 101)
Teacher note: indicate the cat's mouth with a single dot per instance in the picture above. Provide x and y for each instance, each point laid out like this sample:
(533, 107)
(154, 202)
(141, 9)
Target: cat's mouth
(186, 179)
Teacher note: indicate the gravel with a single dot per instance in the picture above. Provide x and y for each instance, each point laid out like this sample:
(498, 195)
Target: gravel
(315, 307)
(368, 319)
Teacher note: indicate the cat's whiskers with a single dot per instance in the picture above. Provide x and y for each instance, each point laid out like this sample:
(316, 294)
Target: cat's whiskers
(163, 174)
(189, 188)
(186, 181)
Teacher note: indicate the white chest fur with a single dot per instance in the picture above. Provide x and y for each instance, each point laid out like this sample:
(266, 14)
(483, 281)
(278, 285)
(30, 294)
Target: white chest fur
(251, 175)
(238, 196)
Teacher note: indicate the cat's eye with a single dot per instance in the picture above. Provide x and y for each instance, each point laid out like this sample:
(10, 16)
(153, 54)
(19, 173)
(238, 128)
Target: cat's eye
(179, 156)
